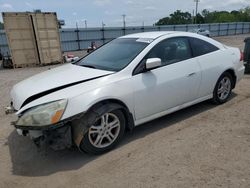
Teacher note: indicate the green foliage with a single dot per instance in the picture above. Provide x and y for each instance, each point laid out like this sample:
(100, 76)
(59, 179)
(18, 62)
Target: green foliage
(178, 17)
(200, 19)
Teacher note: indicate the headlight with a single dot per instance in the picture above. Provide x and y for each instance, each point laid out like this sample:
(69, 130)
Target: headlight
(43, 115)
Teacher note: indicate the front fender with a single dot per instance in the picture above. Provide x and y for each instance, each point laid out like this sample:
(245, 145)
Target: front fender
(119, 91)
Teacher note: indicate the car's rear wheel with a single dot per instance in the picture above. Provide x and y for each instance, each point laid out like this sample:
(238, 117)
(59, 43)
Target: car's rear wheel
(105, 133)
(223, 89)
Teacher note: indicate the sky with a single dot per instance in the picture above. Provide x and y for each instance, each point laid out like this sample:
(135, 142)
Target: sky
(109, 12)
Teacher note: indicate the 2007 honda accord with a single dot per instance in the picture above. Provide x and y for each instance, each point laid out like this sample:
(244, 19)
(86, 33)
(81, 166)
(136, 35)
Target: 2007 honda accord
(127, 82)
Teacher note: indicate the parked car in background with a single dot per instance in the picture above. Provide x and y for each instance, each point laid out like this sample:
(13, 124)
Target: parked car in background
(200, 31)
(70, 58)
(125, 83)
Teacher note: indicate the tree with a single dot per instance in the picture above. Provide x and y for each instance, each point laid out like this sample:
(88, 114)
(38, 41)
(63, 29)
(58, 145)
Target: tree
(177, 17)
(200, 19)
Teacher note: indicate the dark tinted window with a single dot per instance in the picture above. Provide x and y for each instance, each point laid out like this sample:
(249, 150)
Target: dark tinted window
(171, 51)
(201, 47)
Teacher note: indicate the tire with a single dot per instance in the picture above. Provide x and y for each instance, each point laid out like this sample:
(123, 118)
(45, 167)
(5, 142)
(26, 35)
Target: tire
(103, 131)
(222, 92)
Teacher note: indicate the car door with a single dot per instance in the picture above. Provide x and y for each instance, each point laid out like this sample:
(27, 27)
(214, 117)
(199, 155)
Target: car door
(176, 82)
(208, 57)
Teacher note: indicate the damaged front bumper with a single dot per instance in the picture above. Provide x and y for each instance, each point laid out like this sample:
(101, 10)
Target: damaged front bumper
(59, 136)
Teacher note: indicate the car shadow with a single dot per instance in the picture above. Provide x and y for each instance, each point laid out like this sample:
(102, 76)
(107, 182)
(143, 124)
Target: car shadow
(28, 160)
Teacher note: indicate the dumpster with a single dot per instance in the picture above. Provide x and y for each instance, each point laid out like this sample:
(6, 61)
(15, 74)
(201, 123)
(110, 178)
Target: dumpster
(247, 54)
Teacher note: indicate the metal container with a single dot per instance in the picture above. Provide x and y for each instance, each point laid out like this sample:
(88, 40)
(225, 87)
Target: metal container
(247, 54)
(33, 38)
(47, 37)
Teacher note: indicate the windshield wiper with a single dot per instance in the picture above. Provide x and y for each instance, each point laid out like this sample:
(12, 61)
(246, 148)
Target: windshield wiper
(89, 66)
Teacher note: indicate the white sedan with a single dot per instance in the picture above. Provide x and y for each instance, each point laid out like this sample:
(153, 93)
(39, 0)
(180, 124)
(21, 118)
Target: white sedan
(125, 83)
(200, 31)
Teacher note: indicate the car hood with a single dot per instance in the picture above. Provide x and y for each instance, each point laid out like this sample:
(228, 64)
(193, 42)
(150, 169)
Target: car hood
(51, 81)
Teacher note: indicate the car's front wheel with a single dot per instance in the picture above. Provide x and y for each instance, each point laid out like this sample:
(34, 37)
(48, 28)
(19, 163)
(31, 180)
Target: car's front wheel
(105, 133)
(223, 88)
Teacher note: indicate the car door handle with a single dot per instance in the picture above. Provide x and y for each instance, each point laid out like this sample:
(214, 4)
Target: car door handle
(191, 74)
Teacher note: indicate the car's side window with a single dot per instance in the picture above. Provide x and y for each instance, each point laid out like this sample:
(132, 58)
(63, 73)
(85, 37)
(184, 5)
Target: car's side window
(171, 50)
(201, 47)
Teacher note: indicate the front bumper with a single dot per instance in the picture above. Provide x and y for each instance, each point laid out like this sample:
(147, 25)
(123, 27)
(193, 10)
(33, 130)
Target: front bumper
(57, 136)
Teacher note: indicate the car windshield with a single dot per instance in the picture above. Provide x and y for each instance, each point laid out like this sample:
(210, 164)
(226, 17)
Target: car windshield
(115, 55)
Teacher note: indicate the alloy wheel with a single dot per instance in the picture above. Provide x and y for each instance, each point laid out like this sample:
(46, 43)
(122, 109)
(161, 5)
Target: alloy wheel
(105, 130)
(224, 88)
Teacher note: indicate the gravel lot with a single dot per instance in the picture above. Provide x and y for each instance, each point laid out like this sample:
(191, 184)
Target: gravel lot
(201, 146)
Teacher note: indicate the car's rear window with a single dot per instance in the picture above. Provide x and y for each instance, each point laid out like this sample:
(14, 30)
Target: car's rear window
(201, 47)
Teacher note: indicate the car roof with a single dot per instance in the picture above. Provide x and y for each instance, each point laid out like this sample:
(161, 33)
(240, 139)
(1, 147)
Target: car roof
(150, 35)
(156, 34)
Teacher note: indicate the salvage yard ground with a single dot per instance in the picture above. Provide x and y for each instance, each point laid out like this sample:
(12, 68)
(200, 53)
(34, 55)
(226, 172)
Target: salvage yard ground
(201, 146)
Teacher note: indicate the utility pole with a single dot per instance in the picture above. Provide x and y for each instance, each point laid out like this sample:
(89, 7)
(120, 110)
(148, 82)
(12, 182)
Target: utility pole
(193, 20)
(76, 25)
(124, 20)
(103, 25)
(124, 23)
(86, 25)
(196, 9)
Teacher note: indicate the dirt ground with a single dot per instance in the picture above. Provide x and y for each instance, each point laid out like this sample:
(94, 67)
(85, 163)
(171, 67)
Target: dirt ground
(201, 146)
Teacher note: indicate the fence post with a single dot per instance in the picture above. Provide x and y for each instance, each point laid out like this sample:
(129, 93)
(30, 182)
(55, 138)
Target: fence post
(227, 28)
(209, 28)
(143, 28)
(124, 30)
(78, 39)
(236, 28)
(219, 29)
(103, 36)
(243, 25)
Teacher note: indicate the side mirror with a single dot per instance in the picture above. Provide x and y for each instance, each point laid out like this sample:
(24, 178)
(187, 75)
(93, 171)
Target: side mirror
(153, 63)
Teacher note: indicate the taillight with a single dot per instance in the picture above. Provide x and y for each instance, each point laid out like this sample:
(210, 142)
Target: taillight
(241, 56)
